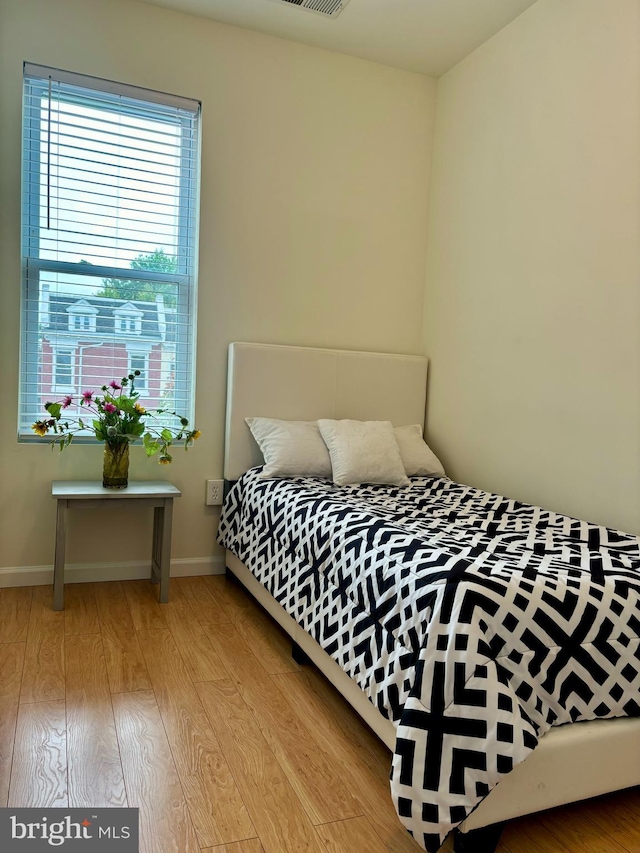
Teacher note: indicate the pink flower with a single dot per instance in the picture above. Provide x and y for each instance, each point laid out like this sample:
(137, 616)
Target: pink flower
(113, 384)
(67, 402)
(109, 407)
(87, 396)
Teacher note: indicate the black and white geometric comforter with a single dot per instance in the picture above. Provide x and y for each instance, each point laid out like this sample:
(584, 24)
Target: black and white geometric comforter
(472, 621)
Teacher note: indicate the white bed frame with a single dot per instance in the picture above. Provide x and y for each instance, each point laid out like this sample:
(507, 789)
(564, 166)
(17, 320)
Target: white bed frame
(572, 762)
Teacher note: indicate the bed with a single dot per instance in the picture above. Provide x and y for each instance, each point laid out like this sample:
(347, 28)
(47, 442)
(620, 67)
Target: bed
(452, 698)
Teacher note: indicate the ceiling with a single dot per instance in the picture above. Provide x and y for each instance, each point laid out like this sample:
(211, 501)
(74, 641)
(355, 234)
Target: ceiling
(428, 36)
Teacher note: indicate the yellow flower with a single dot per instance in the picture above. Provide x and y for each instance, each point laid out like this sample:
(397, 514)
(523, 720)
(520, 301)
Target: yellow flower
(165, 460)
(140, 409)
(40, 428)
(196, 433)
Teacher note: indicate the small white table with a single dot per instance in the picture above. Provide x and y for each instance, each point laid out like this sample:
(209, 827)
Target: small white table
(84, 494)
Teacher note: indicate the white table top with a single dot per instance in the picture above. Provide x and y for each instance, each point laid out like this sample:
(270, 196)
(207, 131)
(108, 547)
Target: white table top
(87, 489)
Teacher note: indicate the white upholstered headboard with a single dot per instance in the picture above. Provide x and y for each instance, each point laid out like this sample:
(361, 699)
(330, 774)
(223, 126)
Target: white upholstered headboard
(304, 383)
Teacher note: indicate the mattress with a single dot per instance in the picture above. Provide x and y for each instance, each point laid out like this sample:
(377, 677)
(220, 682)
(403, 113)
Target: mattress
(474, 622)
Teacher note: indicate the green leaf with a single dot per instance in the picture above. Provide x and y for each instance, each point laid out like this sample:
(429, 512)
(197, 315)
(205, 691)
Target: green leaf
(151, 448)
(54, 409)
(97, 428)
(167, 435)
(80, 423)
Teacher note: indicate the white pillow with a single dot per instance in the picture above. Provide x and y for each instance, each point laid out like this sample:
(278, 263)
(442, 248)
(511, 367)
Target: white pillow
(290, 448)
(363, 452)
(417, 457)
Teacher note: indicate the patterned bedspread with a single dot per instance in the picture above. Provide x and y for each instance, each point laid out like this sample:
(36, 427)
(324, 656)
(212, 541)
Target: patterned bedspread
(473, 621)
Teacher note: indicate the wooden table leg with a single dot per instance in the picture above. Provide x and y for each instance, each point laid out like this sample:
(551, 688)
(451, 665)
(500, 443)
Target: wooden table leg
(156, 549)
(58, 562)
(165, 549)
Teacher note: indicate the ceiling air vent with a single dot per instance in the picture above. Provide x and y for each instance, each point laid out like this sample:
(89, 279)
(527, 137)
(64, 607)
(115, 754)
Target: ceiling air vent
(329, 8)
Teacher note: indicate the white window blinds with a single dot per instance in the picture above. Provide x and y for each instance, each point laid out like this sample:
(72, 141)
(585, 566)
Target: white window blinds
(109, 237)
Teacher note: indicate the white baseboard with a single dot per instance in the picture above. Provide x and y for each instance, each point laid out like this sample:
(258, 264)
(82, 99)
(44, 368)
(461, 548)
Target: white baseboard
(82, 573)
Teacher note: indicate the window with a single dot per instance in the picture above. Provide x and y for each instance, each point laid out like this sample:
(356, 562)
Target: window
(82, 317)
(63, 370)
(139, 362)
(128, 319)
(79, 323)
(109, 228)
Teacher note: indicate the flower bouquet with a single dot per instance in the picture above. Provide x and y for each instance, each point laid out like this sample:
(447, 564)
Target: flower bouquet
(117, 419)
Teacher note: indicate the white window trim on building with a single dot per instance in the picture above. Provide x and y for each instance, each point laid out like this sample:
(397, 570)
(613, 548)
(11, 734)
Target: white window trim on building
(142, 381)
(57, 351)
(128, 319)
(82, 317)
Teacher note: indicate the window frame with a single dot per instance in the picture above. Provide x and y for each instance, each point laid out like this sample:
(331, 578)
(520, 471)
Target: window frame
(31, 335)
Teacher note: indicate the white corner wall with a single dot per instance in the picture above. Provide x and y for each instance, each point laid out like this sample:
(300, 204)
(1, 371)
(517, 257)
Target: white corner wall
(313, 232)
(532, 310)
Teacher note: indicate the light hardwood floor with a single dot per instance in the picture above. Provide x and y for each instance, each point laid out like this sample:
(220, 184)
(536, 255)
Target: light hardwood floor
(195, 712)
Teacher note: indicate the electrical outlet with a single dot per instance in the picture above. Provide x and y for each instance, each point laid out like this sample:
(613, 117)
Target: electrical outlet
(215, 492)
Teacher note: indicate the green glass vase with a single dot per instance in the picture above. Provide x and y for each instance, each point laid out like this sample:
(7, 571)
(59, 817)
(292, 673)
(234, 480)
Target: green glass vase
(115, 465)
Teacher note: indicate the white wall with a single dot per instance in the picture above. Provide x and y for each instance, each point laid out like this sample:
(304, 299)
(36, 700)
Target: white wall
(532, 310)
(315, 180)
(313, 229)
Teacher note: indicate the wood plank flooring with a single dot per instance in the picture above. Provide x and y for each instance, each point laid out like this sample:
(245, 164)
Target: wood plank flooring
(195, 712)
